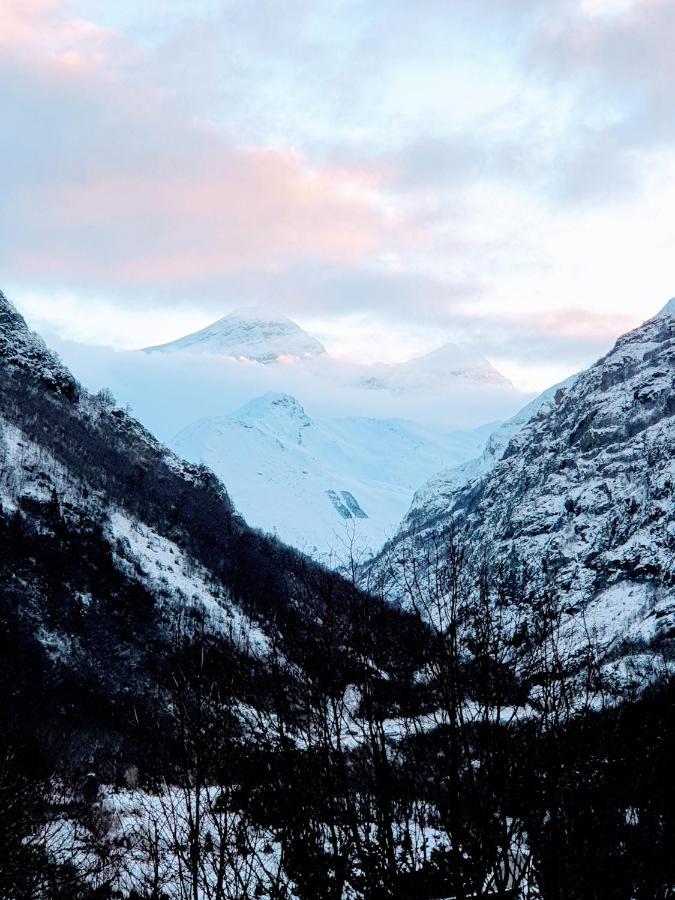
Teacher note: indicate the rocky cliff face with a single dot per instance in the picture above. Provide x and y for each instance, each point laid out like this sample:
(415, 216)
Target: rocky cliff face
(582, 491)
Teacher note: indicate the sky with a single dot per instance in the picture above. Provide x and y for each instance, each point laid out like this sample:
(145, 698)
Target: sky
(392, 174)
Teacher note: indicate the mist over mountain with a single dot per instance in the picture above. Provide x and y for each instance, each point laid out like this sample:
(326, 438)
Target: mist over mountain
(255, 334)
(449, 389)
(290, 474)
(251, 333)
(450, 367)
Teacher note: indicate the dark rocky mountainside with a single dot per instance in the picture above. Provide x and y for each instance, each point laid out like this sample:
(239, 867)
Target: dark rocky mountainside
(581, 489)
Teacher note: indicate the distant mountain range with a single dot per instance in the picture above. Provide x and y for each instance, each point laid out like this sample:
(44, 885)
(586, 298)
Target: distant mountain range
(255, 334)
(322, 483)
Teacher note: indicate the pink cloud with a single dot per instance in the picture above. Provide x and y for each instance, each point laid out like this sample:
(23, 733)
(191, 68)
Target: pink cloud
(39, 31)
(141, 194)
(249, 208)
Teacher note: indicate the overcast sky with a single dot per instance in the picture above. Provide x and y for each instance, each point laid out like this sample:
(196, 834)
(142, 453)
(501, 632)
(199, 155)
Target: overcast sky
(390, 173)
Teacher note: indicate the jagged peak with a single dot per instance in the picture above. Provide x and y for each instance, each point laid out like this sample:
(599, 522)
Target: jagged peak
(10, 317)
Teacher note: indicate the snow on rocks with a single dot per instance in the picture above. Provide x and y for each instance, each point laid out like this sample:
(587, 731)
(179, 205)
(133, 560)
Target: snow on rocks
(582, 483)
(161, 565)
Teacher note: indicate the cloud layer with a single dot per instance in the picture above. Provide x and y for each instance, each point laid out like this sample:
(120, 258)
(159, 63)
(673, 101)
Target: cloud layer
(497, 171)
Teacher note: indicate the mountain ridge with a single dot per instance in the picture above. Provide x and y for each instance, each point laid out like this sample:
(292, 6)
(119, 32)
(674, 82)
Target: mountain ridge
(584, 484)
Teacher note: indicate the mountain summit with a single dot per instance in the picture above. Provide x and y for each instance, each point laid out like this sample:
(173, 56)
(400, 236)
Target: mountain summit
(23, 350)
(252, 333)
(442, 366)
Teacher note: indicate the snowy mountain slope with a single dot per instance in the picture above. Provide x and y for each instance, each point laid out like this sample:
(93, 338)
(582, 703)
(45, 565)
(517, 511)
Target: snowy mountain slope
(52, 439)
(668, 310)
(434, 496)
(314, 483)
(583, 489)
(116, 556)
(250, 333)
(440, 368)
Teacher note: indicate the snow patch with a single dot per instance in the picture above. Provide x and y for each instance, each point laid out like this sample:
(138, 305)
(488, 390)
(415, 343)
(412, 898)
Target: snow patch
(162, 565)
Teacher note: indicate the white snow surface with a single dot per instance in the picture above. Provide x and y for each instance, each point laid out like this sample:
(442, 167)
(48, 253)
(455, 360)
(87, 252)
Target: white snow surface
(443, 366)
(162, 566)
(28, 470)
(278, 465)
(251, 333)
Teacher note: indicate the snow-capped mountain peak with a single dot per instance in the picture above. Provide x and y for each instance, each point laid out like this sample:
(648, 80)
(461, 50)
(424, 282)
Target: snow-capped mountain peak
(24, 350)
(251, 333)
(8, 312)
(446, 364)
(279, 405)
(278, 414)
(458, 361)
